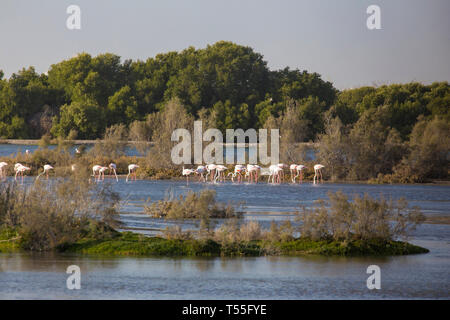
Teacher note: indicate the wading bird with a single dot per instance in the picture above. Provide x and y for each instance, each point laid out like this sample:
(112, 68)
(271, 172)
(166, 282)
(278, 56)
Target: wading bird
(20, 169)
(220, 173)
(211, 168)
(101, 172)
(47, 168)
(112, 167)
(132, 171)
(95, 171)
(239, 169)
(201, 170)
(2, 168)
(275, 174)
(297, 171)
(253, 171)
(318, 172)
(187, 173)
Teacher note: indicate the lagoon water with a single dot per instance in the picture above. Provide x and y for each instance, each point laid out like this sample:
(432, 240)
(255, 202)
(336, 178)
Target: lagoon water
(42, 276)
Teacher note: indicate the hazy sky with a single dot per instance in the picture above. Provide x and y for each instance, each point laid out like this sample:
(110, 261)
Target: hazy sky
(325, 36)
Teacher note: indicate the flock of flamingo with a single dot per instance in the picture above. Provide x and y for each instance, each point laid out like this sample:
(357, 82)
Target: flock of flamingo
(252, 172)
(216, 173)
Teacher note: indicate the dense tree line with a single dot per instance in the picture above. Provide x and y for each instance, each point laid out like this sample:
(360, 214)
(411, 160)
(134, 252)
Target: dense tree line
(225, 84)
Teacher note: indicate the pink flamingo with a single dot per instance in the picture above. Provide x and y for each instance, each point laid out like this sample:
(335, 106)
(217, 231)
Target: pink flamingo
(297, 169)
(20, 169)
(253, 171)
(220, 173)
(132, 171)
(187, 173)
(318, 173)
(112, 167)
(2, 173)
(275, 174)
(95, 171)
(201, 170)
(238, 170)
(47, 168)
(211, 168)
(102, 173)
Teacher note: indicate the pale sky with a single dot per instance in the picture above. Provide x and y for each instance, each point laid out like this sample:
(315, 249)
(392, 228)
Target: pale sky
(325, 36)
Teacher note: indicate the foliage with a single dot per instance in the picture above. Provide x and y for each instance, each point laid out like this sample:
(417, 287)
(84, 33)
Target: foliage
(361, 219)
(202, 205)
(47, 216)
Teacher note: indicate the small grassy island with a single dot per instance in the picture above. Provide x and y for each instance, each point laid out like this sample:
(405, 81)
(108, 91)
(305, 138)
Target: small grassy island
(77, 217)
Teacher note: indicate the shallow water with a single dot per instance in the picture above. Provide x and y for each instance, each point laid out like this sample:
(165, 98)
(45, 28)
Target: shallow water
(38, 276)
(42, 276)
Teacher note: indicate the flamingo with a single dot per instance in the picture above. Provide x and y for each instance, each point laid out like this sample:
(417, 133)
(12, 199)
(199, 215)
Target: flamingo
(318, 172)
(132, 171)
(297, 169)
(211, 168)
(187, 173)
(238, 170)
(201, 170)
(253, 171)
(20, 169)
(275, 173)
(47, 168)
(95, 171)
(101, 173)
(112, 166)
(220, 173)
(2, 173)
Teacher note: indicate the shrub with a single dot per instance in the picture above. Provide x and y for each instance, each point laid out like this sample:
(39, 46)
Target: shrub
(362, 219)
(53, 214)
(201, 205)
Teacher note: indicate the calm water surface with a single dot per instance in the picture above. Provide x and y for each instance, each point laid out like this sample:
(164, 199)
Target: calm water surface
(37, 276)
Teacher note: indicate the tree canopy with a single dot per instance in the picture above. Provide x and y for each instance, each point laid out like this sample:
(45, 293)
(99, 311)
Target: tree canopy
(228, 83)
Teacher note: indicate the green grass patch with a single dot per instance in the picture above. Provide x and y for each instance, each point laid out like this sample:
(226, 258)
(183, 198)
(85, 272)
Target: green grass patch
(132, 244)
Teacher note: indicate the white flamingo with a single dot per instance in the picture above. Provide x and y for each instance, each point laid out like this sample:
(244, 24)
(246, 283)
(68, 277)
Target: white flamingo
(201, 170)
(2, 173)
(318, 173)
(211, 168)
(253, 171)
(297, 171)
(47, 168)
(132, 171)
(220, 173)
(95, 171)
(187, 173)
(275, 174)
(112, 167)
(101, 172)
(20, 169)
(239, 169)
